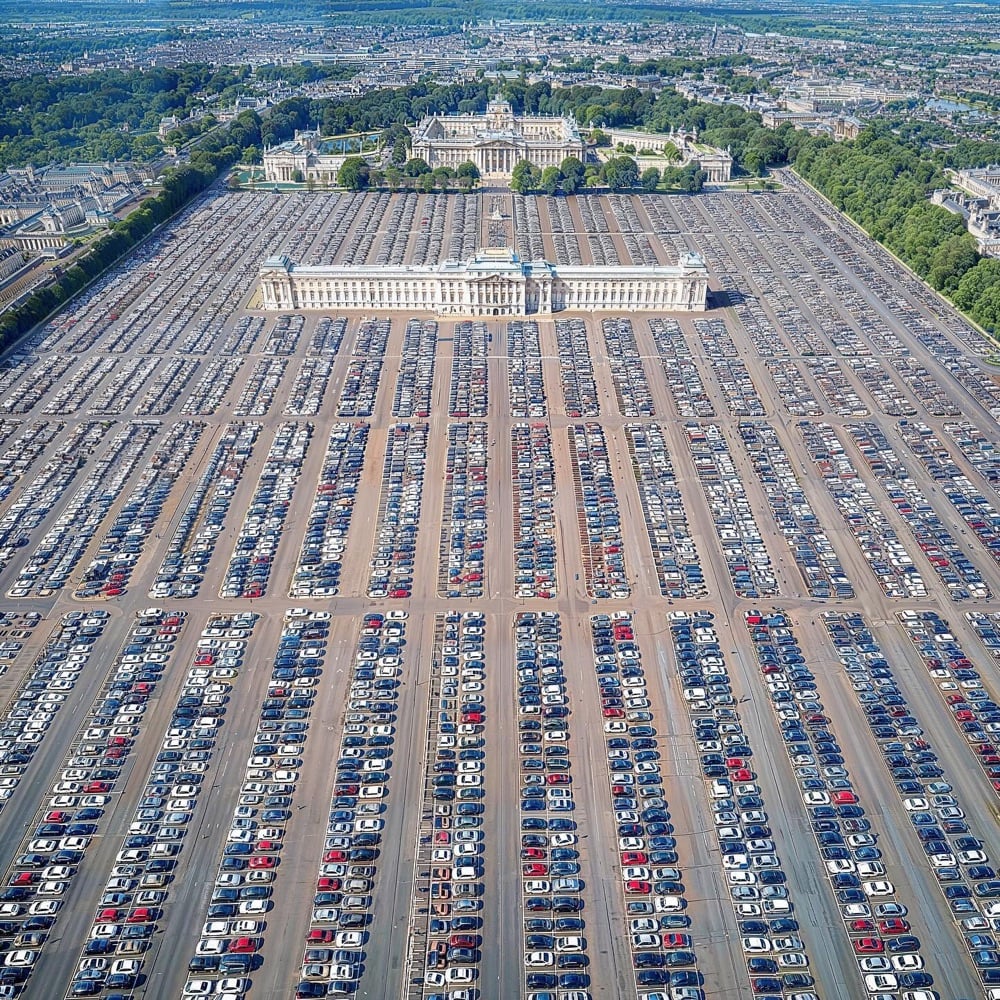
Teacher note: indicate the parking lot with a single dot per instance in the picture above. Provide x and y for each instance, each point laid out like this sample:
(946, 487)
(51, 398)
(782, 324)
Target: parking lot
(561, 658)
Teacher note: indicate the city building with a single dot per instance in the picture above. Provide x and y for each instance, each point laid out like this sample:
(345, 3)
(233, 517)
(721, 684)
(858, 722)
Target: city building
(717, 163)
(308, 158)
(496, 141)
(983, 182)
(495, 282)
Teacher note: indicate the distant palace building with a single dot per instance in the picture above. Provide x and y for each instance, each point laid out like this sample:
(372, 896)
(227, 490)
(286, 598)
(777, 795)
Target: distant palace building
(717, 163)
(496, 141)
(493, 283)
(307, 157)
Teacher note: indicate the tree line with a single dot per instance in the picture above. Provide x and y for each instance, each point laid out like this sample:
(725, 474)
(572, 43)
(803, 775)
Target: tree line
(884, 182)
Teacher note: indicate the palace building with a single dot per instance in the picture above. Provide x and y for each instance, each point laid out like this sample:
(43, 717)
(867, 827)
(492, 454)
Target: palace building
(496, 141)
(495, 282)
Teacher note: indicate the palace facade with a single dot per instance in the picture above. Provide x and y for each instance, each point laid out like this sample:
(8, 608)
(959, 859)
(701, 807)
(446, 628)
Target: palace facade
(492, 283)
(496, 141)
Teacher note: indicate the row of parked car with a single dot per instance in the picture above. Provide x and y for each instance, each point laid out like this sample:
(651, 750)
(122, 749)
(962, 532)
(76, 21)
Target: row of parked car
(463, 522)
(879, 543)
(468, 394)
(978, 448)
(812, 549)
(49, 484)
(137, 519)
(192, 544)
(257, 835)
(446, 947)
(955, 569)
(525, 383)
(327, 336)
(283, 337)
(255, 546)
(679, 369)
(674, 554)
(399, 511)
(14, 629)
(627, 372)
(135, 893)
(364, 372)
(598, 516)
(887, 954)
(978, 511)
(213, 385)
(533, 510)
(796, 396)
(731, 375)
(415, 382)
(576, 369)
(55, 557)
(655, 897)
(776, 960)
(50, 851)
(325, 536)
(555, 948)
(43, 690)
(260, 386)
(335, 955)
(746, 555)
(956, 856)
(972, 708)
(305, 397)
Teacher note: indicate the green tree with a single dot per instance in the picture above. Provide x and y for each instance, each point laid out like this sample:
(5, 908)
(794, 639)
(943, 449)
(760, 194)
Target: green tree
(525, 176)
(620, 173)
(442, 177)
(353, 174)
(468, 169)
(974, 284)
(571, 166)
(649, 180)
(416, 166)
(952, 259)
(425, 182)
(393, 177)
(550, 180)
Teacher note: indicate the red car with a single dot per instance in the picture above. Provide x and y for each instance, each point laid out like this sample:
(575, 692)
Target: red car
(534, 869)
(328, 884)
(676, 940)
(869, 946)
(320, 936)
(634, 858)
(636, 885)
(262, 861)
(861, 926)
(335, 856)
(895, 925)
